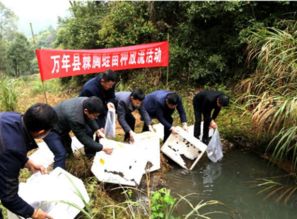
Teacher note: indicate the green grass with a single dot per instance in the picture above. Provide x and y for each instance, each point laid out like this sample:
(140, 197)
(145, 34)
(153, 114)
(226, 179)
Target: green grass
(276, 189)
(269, 94)
(8, 94)
(103, 205)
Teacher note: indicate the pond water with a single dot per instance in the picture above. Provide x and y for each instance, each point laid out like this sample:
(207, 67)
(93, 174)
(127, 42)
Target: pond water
(231, 181)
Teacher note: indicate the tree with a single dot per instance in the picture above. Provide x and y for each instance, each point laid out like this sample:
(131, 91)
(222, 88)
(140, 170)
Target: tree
(46, 38)
(7, 22)
(7, 29)
(205, 41)
(80, 31)
(20, 55)
(127, 23)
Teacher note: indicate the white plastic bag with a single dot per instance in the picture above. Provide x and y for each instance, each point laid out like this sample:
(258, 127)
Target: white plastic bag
(214, 148)
(110, 124)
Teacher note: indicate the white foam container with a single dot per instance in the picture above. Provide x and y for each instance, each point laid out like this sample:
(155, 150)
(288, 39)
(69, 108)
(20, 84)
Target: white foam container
(125, 166)
(184, 148)
(159, 128)
(55, 193)
(150, 143)
(44, 156)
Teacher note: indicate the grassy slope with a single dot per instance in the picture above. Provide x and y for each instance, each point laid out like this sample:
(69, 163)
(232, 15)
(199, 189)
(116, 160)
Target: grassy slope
(233, 126)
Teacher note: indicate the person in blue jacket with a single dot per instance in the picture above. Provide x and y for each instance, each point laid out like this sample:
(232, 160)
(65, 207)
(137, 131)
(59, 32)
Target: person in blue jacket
(17, 133)
(128, 102)
(161, 104)
(102, 86)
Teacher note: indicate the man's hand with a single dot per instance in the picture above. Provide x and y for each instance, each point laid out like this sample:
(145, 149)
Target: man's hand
(40, 214)
(100, 133)
(132, 136)
(185, 126)
(173, 130)
(33, 167)
(213, 124)
(110, 106)
(107, 150)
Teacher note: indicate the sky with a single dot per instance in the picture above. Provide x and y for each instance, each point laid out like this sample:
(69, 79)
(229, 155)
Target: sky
(41, 13)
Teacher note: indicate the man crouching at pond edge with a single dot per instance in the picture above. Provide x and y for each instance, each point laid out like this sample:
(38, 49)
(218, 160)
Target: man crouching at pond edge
(78, 115)
(128, 102)
(17, 135)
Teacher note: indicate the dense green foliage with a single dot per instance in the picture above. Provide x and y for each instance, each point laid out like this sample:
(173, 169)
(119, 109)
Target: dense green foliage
(248, 44)
(7, 28)
(161, 202)
(20, 55)
(205, 37)
(16, 50)
(271, 91)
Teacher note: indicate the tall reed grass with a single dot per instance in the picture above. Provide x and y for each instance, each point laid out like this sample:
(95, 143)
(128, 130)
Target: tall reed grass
(8, 94)
(270, 92)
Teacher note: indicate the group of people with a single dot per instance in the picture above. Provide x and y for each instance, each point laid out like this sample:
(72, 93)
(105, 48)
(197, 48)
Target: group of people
(85, 116)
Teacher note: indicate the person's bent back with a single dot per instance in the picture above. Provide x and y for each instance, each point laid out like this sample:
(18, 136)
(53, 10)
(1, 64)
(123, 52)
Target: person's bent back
(128, 102)
(161, 104)
(17, 135)
(103, 87)
(77, 115)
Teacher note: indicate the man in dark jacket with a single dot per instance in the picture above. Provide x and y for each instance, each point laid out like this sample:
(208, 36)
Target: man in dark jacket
(17, 135)
(204, 103)
(77, 115)
(161, 104)
(128, 102)
(102, 86)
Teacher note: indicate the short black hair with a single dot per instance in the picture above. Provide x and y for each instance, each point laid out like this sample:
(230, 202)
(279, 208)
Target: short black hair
(223, 100)
(172, 98)
(40, 116)
(110, 75)
(138, 94)
(94, 105)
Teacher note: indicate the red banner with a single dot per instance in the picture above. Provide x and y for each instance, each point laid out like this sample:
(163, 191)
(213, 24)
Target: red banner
(64, 63)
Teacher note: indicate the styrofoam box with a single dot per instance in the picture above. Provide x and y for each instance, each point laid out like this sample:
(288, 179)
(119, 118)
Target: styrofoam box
(184, 148)
(76, 146)
(44, 156)
(124, 166)
(159, 128)
(55, 193)
(151, 149)
(191, 131)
